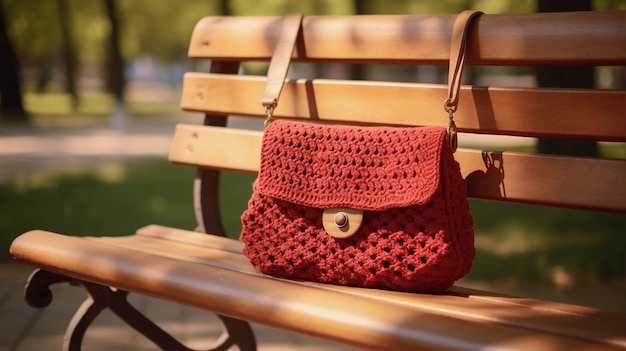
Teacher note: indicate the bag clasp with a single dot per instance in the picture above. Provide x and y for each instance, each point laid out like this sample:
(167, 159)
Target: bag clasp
(342, 223)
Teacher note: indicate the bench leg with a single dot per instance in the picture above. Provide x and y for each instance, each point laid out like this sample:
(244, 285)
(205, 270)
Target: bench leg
(100, 297)
(86, 313)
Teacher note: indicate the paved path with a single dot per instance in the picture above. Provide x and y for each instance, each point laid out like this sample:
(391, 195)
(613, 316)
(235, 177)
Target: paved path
(26, 151)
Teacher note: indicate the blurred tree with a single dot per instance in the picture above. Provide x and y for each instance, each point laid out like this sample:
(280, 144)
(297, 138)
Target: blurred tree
(359, 72)
(115, 64)
(69, 53)
(161, 29)
(33, 38)
(11, 107)
(34, 26)
(224, 8)
(566, 77)
(116, 79)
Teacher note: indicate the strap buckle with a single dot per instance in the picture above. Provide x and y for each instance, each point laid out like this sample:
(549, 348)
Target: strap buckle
(452, 130)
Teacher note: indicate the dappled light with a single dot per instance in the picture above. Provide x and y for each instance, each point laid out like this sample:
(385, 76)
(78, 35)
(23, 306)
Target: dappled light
(111, 173)
(587, 245)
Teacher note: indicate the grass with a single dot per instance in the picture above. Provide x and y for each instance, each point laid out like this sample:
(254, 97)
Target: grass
(547, 244)
(533, 244)
(93, 107)
(237, 189)
(113, 199)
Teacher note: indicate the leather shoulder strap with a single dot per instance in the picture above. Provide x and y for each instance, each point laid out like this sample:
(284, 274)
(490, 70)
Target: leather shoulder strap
(455, 72)
(279, 64)
(457, 57)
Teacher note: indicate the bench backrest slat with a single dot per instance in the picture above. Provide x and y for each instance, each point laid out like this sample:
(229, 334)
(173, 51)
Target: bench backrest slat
(594, 38)
(515, 39)
(529, 178)
(512, 111)
(218, 148)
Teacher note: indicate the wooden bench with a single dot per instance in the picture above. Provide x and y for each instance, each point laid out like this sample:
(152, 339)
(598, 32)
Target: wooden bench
(209, 272)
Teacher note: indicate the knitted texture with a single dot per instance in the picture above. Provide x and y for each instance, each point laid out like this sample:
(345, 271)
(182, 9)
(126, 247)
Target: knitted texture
(416, 233)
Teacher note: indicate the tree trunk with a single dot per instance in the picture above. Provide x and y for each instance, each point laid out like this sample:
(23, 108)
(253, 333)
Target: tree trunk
(115, 64)
(225, 9)
(566, 77)
(359, 72)
(116, 82)
(11, 107)
(69, 54)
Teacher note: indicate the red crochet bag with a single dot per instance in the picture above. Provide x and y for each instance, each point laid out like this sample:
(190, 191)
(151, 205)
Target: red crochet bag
(378, 207)
(416, 230)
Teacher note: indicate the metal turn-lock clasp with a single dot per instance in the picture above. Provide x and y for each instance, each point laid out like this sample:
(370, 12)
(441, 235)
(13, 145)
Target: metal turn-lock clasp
(342, 223)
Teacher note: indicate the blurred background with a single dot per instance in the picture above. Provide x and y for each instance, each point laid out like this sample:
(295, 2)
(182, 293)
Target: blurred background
(88, 56)
(84, 81)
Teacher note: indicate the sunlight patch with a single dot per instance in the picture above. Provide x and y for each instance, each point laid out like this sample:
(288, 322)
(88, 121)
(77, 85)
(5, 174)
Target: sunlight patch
(561, 278)
(25, 183)
(111, 173)
(157, 205)
(516, 241)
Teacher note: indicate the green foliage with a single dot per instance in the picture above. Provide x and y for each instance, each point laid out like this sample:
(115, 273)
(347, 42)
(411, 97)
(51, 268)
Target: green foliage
(490, 6)
(161, 28)
(281, 7)
(35, 28)
(608, 5)
(30, 25)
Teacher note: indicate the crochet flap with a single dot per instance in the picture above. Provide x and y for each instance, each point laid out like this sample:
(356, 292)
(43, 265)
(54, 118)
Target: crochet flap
(365, 168)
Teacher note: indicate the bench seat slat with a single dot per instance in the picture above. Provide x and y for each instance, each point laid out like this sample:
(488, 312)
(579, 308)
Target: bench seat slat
(190, 238)
(223, 281)
(523, 178)
(201, 241)
(197, 246)
(504, 39)
(204, 251)
(512, 111)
